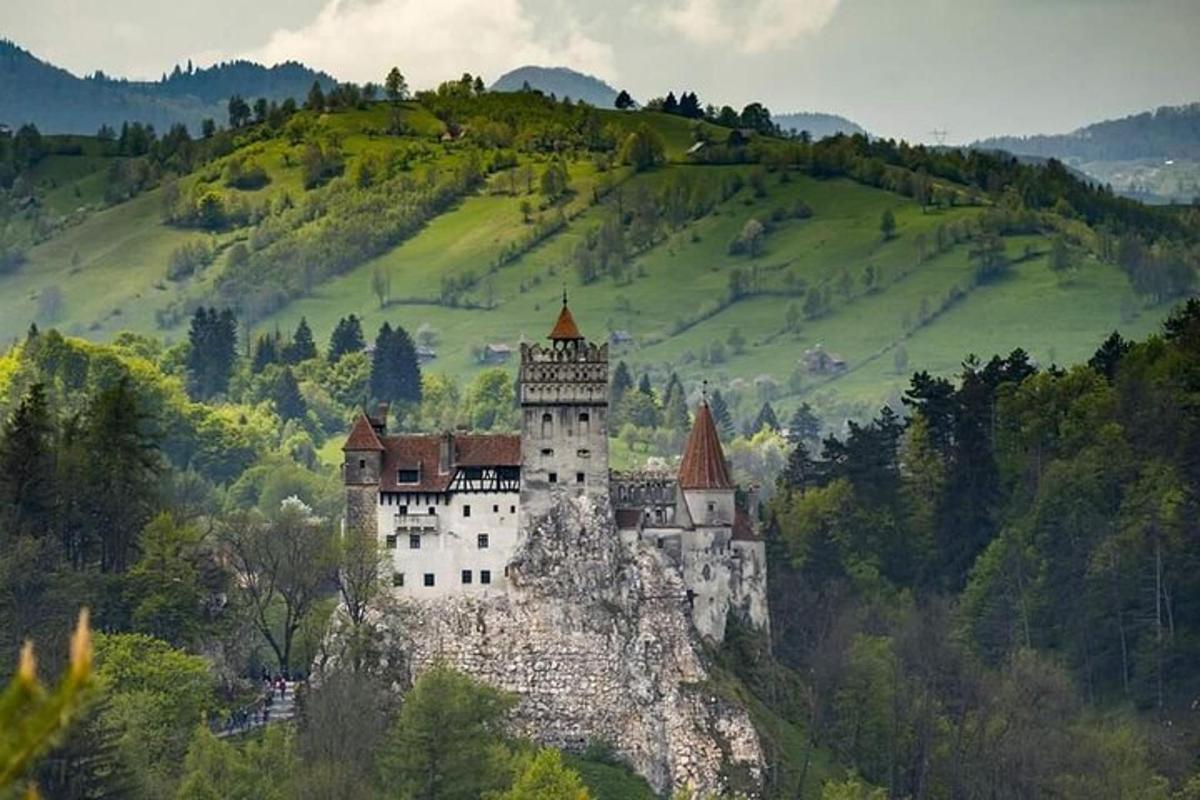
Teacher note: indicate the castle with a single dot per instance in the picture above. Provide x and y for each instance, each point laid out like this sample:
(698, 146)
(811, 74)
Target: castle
(449, 509)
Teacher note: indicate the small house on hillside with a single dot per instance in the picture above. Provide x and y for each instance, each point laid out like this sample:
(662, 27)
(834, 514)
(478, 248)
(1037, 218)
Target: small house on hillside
(425, 354)
(620, 337)
(818, 361)
(496, 353)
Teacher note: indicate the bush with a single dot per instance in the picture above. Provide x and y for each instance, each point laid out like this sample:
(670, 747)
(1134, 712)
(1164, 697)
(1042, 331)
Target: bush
(245, 175)
(188, 258)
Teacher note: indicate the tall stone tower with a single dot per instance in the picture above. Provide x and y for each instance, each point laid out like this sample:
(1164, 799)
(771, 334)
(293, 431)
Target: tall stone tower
(361, 469)
(564, 417)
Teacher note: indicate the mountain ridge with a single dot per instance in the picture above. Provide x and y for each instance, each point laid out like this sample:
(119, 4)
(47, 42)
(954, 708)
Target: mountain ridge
(559, 81)
(54, 99)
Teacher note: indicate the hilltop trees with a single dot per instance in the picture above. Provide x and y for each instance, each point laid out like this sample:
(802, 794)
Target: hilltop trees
(27, 469)
(347, 338)
(395, 372)
(212, 352)
(395, 86)
(623, 102)
(643, 149)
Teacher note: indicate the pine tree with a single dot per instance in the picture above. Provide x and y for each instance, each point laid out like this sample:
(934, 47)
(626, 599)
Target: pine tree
(623, 101)
(302, 346)
(289, 403)
(674, 387)
(395, 373)
(804, 425)
(121, 479)
(316, 98)
(212, 352)
(766, 417)
(266, 352)
(675, 413)
(644, 385)
(800, 471)
(27, 468)
(721, 414)
(622, 382)
(347, 338)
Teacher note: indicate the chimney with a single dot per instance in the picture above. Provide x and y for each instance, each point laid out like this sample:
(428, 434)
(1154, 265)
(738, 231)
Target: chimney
(446, 453)
(752, 502)
(383, 415)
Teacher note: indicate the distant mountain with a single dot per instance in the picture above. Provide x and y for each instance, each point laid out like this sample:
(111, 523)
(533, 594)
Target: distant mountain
(818, 125)
(1171, 132)
(559, 81)
(32, 90)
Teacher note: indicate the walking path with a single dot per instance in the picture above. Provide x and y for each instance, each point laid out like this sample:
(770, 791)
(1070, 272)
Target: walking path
(279, 708)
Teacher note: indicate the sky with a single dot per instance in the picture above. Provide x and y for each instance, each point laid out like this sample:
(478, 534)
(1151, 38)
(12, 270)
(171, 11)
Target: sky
(901, 68)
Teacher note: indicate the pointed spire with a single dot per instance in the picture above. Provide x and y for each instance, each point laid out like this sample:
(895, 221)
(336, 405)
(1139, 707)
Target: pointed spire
(362, 436)
(565, 329)
(703, 465)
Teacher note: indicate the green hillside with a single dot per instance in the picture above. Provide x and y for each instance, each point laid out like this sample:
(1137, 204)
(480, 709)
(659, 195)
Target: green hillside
(441, 203)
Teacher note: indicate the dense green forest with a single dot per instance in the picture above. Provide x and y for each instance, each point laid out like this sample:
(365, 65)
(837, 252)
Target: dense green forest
(696, 237)
(987, 590)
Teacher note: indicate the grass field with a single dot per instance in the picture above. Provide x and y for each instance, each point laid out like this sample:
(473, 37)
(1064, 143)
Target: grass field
(108, 267)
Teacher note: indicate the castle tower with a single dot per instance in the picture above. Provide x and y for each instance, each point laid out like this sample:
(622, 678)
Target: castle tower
(704, 478)
(564, 416)
(361, 468)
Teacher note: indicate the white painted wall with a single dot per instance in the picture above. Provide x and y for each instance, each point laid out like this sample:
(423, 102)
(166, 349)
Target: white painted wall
(452, 546)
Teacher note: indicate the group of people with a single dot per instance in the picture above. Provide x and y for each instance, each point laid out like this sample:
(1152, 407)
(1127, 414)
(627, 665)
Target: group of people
(271, 688)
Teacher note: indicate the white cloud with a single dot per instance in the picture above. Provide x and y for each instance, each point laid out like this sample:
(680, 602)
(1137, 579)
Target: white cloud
(430, 41)
(752, 26)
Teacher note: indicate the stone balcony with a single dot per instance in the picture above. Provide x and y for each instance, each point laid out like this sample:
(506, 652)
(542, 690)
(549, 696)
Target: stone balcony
(416, 523)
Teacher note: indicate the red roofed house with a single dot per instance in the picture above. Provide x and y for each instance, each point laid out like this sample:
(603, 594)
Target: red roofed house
(449, 509)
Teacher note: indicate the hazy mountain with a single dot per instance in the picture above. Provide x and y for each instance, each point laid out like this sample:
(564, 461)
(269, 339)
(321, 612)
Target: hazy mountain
(817, 124)
(1171, 132)
(32, 90)
(559, 81)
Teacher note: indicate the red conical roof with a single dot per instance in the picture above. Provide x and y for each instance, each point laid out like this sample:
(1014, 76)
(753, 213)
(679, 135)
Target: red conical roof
(362, 436)
(565, 328)
(703, 465)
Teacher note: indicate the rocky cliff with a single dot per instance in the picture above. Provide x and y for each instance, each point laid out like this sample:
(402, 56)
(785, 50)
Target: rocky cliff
(596, 640)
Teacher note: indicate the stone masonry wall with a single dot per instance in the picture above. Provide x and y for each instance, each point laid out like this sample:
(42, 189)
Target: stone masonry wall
(595, 638)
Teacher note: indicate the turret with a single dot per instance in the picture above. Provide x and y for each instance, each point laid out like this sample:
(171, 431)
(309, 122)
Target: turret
(362, 466)
(704, 478)
(564, 416)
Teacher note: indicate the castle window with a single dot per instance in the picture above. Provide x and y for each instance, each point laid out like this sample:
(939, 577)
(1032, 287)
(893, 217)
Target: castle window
(579, 477)
(584, 423)
(712, 508)
(473, 473)
(402, 511)
(397, 579)
(429, 579)
(496, 509)
(583, 453)
(485, 576)
(432, 510)
(512, 509)
(408, 476)
(414, 541)
(661, 542)
(547, 425)
(466, 511)
(390, 541)
(482, 541)
(553, 477)
(362, 463)
(466, 576)
(546, 451)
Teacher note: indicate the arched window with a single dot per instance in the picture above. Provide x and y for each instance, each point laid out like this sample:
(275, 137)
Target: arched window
(547, 425)
(584, 423)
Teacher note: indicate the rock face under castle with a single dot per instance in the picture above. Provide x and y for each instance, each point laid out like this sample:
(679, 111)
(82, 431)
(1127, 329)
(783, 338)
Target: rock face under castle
(450, 509)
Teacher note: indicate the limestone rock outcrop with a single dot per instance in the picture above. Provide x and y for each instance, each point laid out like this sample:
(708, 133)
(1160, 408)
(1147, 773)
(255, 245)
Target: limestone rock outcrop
(595, 638)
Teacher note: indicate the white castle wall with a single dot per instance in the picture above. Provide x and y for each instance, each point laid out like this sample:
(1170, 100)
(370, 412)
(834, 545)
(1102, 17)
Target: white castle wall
(448, 529)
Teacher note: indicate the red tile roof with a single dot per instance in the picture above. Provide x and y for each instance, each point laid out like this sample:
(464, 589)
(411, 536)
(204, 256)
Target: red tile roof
(362, 436)
(422, 452)
(703, 465)
(743, 526)
(565, 328)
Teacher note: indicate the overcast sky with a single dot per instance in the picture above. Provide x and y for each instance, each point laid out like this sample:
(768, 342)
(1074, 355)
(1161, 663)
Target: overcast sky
(898, 67)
